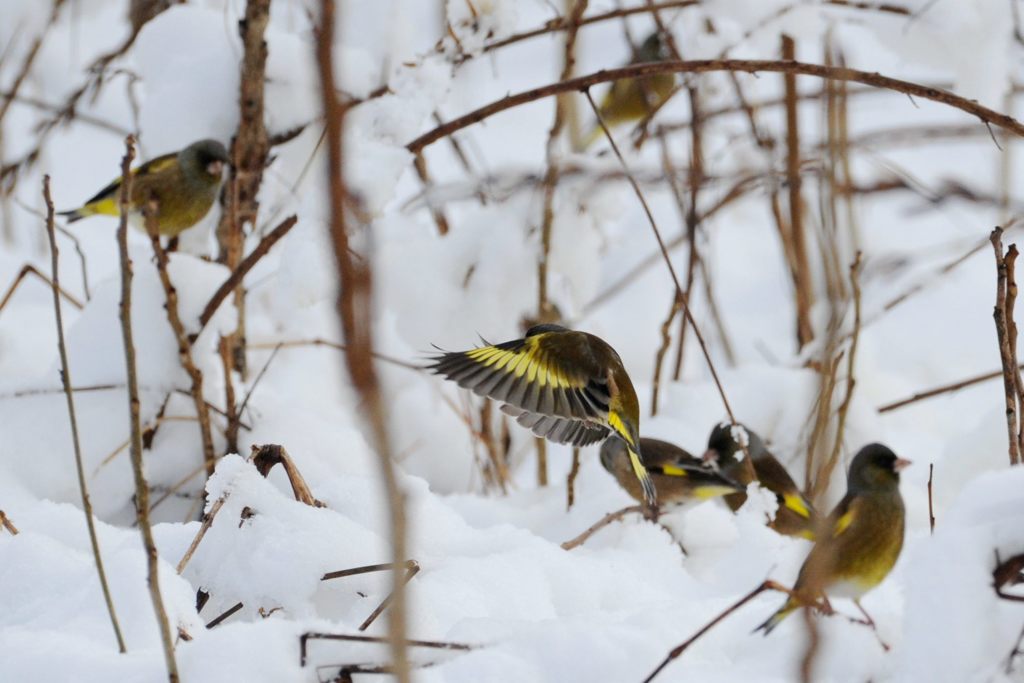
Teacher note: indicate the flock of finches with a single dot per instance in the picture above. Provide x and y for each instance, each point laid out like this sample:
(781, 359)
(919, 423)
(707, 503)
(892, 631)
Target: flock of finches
(571, 387)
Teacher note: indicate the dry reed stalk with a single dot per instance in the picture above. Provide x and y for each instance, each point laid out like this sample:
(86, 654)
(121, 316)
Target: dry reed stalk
(65, 375)
(355, 309)
(135, 451)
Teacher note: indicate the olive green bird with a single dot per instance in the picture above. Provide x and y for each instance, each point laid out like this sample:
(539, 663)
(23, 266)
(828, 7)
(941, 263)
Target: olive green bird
(860, 540)
(633, 99)
(796, 515)
(678, 476)
(183, 184)
(566, 386)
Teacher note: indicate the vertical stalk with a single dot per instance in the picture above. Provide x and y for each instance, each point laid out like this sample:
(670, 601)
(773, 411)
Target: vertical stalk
(65, 376)
(135, 440)
(355, 309)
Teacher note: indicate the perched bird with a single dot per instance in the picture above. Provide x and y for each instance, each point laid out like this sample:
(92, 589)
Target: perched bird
(632, 99)
(795, 515)
(566, 386)
(859, 542)
(184, 185)
(678, 476)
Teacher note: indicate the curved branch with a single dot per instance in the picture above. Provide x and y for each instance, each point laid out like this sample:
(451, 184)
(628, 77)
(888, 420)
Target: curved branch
(989, 116)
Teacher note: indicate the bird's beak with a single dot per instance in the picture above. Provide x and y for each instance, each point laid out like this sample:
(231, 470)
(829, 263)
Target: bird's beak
(901, 463)
(710, 457)
(215, 168)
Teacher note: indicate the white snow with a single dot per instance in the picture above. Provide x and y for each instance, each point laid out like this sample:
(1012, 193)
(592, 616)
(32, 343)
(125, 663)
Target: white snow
(493, 573)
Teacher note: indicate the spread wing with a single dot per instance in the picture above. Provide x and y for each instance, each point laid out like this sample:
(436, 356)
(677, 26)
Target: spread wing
(550, 385)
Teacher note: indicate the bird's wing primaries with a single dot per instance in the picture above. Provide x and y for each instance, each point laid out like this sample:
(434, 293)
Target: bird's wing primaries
(559, 429)
(532, 376)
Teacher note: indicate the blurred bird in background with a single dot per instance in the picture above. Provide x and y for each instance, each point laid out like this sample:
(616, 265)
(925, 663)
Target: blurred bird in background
(183, 184)
(567, 386)
(795, 515)
(633, 99)
(859, 542)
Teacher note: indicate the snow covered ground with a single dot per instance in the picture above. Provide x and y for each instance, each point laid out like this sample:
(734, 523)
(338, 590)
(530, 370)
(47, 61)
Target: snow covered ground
(493, 572)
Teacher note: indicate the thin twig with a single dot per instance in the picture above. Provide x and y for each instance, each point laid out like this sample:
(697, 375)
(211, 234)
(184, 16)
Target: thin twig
(752, 66)
(237, 275)
(931, 509)
(600, 524)
(682, 647)
(65, 375)
(999, 313)
(355, 309)
(435, 644)
(203, 528)
(664, 252)
(181, 337)
(570, 481)
(825, 472)
(29, 269)
(141, 486)
(803, 291)
(944, 389)
(6, 523)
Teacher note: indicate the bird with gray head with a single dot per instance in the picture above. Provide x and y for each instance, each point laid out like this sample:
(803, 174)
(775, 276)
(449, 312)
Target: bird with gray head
(183, 186)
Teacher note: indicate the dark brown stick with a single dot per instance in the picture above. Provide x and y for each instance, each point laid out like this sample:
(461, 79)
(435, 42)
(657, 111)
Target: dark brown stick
(216, 621)
(931, 510)
(355, 309)
(435, 644)
(65, 375)
(999, 313)
(141, 486)
(752, 66)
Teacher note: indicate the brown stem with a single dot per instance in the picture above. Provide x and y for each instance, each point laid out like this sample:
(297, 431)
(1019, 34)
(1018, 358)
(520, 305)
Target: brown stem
(243, 268)
(181, 337)
(1005, 353)
(944, 389)
(931, 510)
(203, 528)
(803, 291)
(65, 376)
(682, 647)
(825, 472)
(135, 451)
(752, 66)
(305, 637)
(664, 252)
(600, 524)
(419, 163)
(6, 523)
(27, 270)
(570, 481)
(355, 309)
(659, 356)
